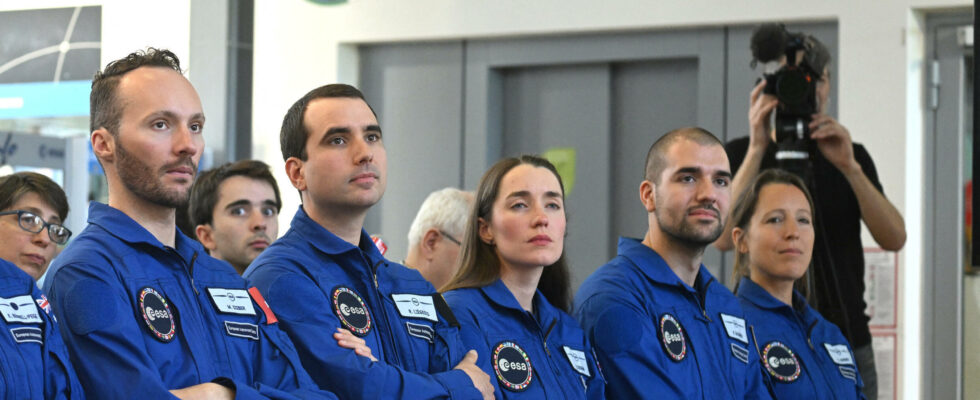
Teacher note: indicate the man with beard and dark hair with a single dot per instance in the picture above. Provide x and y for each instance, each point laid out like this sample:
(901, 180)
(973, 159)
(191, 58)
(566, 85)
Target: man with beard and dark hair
(145, 311)
(662, 326)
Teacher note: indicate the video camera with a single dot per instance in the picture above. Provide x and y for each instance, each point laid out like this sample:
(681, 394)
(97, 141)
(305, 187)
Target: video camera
(794, 84)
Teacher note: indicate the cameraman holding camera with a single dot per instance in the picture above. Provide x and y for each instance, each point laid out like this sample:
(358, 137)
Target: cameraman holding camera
(839, 173)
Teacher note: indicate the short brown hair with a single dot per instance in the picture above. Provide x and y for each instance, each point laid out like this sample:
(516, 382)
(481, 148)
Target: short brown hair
(13, 186)
(104, 107)
(656, 156)
(204, 192)
(293, 135)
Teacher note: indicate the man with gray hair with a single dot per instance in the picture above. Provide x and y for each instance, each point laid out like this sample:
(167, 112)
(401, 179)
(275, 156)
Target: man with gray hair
(435, 234)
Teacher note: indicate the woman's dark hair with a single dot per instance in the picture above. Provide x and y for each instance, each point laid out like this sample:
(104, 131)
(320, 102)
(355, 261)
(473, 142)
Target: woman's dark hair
(479, 265)
(745, 207)
(13, 186)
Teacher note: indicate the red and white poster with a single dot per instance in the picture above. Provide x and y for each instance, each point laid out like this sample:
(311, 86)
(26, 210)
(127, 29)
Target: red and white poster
(881, 295)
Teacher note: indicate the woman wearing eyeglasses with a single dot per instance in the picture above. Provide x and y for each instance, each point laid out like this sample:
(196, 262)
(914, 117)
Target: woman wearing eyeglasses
(33, 211)
(512, 291)
(34, 361)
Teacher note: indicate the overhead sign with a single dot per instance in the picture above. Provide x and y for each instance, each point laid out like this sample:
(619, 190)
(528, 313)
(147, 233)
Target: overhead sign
(32, 150)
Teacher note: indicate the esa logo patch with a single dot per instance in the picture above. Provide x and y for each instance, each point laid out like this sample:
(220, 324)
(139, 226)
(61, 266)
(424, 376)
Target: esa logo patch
(512, 366)
(781, 362)
(157, 315)
(351, 310)
(672, 337)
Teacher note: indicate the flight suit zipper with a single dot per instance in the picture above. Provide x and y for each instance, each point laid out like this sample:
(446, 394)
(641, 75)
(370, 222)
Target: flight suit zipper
(205, 316)
(544, 342)
(551, 360)
(388, 344)
(702, 299)
(823, 373)
(809, 335)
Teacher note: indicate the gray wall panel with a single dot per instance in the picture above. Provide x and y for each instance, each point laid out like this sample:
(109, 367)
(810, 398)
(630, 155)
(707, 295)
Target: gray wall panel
(416, 89)
(942, 271)
(567, 106)
(520, 95)
(648, 100)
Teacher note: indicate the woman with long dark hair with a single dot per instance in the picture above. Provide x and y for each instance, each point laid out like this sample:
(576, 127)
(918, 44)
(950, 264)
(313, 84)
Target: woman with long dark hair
(512, 291)
(803, 355)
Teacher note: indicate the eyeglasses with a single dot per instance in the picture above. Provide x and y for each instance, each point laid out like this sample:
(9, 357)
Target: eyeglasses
(33, 223)
(450, 237)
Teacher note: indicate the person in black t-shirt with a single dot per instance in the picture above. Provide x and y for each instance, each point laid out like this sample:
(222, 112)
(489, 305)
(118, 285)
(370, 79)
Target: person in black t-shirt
(846, 191)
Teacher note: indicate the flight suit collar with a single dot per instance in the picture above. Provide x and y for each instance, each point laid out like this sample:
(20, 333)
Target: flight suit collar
(326, 242)
(499, 294)
(126, 229)
(761, 298)
(655, 267)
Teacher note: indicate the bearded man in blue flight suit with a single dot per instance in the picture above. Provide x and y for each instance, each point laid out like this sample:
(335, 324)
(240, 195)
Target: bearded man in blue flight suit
(145, 312)
(329, 282)
(661, 325)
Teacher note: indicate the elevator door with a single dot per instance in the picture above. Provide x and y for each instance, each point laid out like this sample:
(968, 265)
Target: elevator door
(451, 109)
(605, 98)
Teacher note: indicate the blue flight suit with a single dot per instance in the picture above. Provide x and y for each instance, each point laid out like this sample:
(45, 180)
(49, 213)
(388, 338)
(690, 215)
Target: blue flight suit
(141, 318)
(33, 359)
(657, 337)
(562, 364)
(317, 282)
(804, 355)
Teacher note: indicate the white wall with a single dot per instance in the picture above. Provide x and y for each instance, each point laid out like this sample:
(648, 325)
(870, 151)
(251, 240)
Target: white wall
(300, 45)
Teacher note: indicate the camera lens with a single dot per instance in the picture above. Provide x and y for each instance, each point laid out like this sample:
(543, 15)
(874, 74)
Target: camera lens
(793, 87)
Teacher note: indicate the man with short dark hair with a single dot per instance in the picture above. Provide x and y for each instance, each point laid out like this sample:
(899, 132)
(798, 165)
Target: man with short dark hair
(330, 283)
(662, 326)
(234, 209)
(146, 312)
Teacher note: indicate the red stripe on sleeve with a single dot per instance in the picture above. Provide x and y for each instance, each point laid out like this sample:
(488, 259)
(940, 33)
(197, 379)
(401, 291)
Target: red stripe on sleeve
(270, 318)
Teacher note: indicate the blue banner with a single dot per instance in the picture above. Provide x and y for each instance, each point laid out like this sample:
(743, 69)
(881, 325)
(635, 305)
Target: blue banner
(44, 99)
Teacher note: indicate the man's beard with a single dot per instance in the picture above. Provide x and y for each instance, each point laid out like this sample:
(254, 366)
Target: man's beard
(141, 180)
(687, 234)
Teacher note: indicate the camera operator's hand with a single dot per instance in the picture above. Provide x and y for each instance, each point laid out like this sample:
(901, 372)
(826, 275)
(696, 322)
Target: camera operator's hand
(760, 110)
(834, 141)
